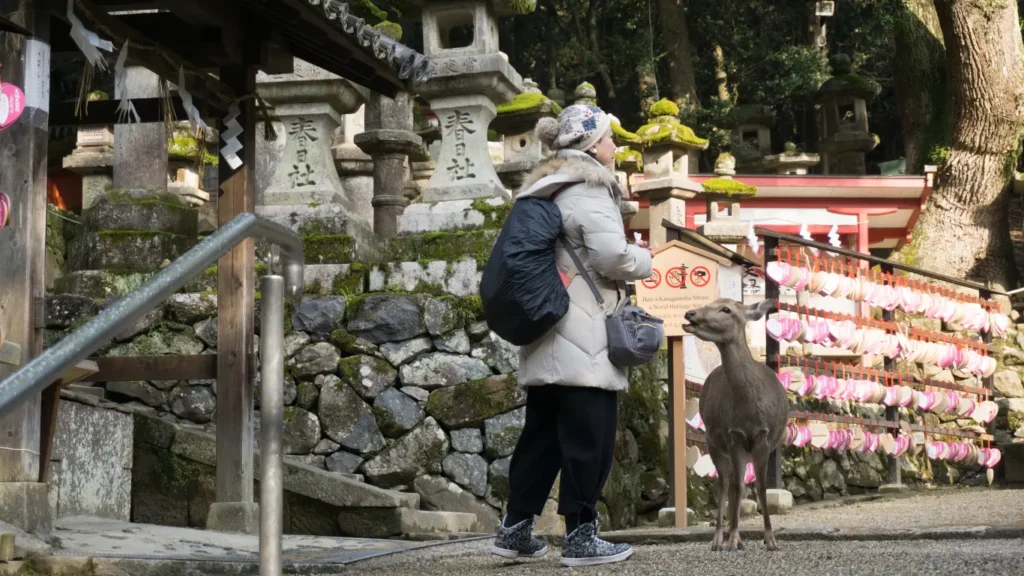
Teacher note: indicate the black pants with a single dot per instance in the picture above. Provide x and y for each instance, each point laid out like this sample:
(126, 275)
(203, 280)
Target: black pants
(568, 429)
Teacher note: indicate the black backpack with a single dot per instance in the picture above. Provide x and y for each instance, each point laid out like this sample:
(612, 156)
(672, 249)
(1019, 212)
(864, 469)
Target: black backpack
(521, 289)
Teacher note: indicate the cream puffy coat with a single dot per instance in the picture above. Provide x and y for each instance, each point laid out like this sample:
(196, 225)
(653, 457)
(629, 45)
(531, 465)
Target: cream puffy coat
(575, 351)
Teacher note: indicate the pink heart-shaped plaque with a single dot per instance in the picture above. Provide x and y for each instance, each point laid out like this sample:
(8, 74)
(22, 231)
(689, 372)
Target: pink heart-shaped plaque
(12, 104)
(5, 209)
(748, 476)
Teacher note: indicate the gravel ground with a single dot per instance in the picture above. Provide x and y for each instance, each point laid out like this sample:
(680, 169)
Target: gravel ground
(926, 557)
(946, 507)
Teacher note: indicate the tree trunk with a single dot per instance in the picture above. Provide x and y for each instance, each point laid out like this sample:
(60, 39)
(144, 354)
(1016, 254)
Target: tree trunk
(721, 77)
(922, 97)
(675, 38)
(963, 232)
(595, 47)
(648, 90)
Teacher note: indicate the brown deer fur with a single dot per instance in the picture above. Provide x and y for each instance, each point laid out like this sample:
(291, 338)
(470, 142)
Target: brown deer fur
(744, 409)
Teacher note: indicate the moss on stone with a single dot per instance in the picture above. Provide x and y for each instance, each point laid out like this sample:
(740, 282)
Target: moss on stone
(183, 147)
(447, 246)
(528, 102)
(97, 96)
(622, 136)
(352, 284)
(494, 216)
(147, 199)
(669, 129)
(664, 107)
(328, 248)
(629, 156)
(734, 189)
(390, 29)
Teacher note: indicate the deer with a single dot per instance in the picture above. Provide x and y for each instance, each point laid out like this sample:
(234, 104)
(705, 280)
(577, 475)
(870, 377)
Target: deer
(744, 409)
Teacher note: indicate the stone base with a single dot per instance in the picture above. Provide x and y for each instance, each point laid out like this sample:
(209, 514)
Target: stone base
(449, 216)
(779, 501)
(893, 488)
(725, 231)
(239, 517)
(468, 192)
(667, 517)
(387, 522)
(126, 250)
(326, 220)
(748, 508)
(27, 506)
(674, 186)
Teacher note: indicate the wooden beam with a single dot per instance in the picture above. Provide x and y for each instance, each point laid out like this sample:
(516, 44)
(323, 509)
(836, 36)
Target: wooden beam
(129, 368)
(235, 309)
(105, 112)
(23, 241)
(142, 52)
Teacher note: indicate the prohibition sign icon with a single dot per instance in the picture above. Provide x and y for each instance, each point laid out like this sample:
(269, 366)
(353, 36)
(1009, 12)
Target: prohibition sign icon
(700, 276)
(653, 282)
(676, 277)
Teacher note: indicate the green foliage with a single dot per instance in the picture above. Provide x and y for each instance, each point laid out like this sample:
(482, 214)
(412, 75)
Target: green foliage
(390, 29)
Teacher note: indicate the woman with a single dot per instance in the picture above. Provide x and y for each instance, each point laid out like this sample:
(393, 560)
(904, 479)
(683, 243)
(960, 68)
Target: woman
(572, 398)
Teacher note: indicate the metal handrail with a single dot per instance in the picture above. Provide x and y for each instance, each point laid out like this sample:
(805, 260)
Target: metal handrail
(45, 369)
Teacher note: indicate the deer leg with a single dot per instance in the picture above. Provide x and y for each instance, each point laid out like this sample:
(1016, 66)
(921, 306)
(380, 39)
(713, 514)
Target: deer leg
(739, 464)
(761, 454)
(724, 467)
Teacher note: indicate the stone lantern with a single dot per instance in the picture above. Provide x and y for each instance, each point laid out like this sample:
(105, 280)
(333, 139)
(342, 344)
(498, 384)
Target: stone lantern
(557, 95)
(586, 94)
(790, 161)
(845, 138)
(670, 154)
(725, 192)
(751, 135)
(516, 121)
(628, 162)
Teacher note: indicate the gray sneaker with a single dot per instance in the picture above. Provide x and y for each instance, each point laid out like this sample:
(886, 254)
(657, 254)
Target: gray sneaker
(518, 541)
(584, 548)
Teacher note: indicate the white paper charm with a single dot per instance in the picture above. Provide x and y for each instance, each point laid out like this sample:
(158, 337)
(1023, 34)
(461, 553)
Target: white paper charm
(833, 237)
(87, 41)
(232, 145)
(752, 240)
(126, 112)
(194, 118)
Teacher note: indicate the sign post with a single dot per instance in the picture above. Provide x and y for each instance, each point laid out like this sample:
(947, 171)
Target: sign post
(684, 278)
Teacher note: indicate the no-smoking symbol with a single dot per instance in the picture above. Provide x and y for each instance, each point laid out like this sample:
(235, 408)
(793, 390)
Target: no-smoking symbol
(653, 282)
(676, 277)
(700, 276)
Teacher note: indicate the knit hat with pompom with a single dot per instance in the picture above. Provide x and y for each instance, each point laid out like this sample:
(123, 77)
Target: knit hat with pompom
(578, 127)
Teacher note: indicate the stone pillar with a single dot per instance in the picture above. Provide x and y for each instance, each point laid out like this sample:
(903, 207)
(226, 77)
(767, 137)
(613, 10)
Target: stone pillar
(93, 159)
(305, 191)
(389, 141)
(462, 86)
(671, 151)
(355, 167)
(140, 150)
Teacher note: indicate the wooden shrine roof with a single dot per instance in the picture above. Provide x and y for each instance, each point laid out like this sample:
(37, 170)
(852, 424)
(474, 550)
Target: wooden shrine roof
(203, 36)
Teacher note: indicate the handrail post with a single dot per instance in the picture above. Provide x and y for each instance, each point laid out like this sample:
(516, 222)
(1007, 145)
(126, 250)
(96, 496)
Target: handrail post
(271, 424)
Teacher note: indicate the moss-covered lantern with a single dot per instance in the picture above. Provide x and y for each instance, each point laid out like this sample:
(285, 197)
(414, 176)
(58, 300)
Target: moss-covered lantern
(515, 121)
(670, 152)
(846, 138)
(750, 136)
(586, 94)
(724, 191)
(790, 161)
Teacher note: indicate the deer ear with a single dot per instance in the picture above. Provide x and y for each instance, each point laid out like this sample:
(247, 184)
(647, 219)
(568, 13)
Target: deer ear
(758, 311)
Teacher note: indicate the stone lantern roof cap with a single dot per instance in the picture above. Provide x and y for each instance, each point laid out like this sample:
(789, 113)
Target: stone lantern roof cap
(845, 83)
(664, 127)
(750, 114)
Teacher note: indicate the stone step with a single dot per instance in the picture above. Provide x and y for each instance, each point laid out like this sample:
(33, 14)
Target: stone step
(386, 523)
(458, 278)
(453, 215)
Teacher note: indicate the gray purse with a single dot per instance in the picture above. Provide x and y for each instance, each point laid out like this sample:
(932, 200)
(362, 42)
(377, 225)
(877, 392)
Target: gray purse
(634, 336)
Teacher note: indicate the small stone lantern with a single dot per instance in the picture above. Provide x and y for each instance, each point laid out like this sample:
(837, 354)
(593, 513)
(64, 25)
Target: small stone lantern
(844, 118)
(586, 94)
(751, 135)
(725, 228)
(516, 121)
(790, 161)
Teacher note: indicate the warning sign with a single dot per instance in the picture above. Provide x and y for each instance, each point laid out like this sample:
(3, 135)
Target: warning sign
(679, 290)
(700, 276)
(654, 281)
(676, 277)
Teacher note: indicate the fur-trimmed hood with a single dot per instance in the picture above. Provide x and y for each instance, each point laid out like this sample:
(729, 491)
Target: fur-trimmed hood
(566, 167)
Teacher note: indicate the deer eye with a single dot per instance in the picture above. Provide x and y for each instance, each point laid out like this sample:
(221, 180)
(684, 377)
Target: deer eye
(726, 311)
